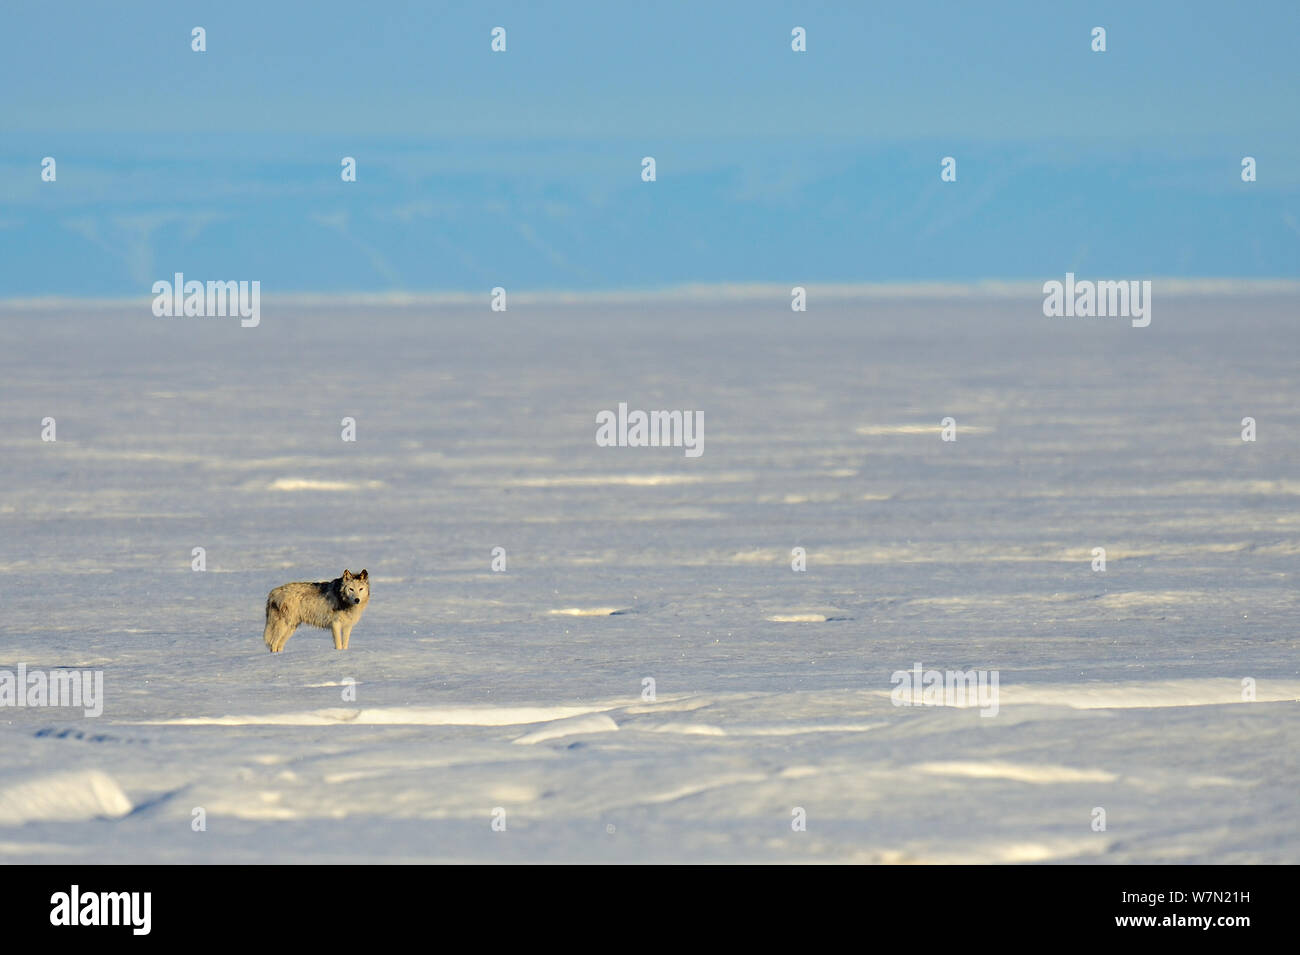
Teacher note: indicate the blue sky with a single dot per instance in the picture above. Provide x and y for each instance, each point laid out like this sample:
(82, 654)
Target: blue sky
(522, 169)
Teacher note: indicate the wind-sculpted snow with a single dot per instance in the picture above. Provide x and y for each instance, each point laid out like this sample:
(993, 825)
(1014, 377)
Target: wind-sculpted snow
(67, 797)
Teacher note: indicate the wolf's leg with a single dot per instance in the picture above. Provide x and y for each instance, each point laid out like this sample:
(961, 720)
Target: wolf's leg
(347, 635)
(283, 632)
(337, 629)
(274, 635)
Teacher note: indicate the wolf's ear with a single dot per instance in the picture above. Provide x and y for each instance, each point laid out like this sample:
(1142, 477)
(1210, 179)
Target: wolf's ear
(364, 575)
(347, 574)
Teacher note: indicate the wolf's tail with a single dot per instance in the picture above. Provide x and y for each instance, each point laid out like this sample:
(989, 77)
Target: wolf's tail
(272, 612)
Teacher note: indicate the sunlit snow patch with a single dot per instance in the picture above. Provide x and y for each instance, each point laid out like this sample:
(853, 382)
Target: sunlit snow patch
(587, 611)
(1017, 772)
(396, 716)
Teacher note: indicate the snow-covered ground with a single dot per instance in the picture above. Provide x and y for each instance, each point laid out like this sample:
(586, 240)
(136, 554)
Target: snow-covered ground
(522, 691)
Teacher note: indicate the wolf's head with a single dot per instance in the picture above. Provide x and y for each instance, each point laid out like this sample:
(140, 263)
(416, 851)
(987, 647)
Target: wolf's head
(355, 589)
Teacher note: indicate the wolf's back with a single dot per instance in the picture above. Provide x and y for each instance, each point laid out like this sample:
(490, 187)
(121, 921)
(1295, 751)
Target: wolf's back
(302, 602)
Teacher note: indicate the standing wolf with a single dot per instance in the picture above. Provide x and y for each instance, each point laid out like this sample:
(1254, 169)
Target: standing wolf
(334, 605)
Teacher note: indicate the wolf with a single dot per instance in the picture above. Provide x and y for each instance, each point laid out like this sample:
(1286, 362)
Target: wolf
(334, 605)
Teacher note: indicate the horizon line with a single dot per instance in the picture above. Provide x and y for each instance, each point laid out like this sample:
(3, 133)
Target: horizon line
(695, 292)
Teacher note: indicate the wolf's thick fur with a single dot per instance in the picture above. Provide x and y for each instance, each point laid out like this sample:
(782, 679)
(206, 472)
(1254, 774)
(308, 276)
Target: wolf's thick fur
(335, 605)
